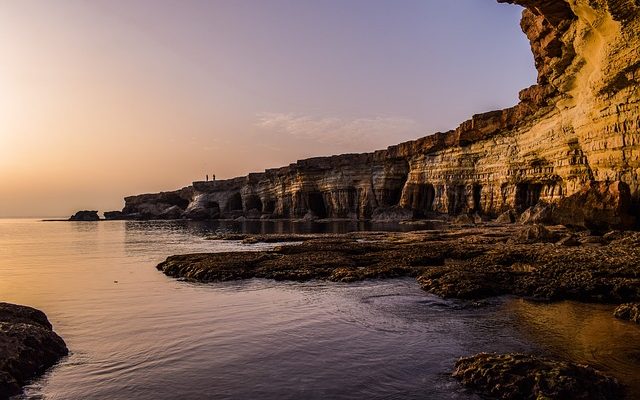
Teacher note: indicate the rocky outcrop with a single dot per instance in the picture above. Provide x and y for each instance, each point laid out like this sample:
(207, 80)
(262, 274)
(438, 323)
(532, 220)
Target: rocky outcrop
(28, 346)
(527, 377)
(629, 312)
(452, 262)
(573, 142)
(85, 216)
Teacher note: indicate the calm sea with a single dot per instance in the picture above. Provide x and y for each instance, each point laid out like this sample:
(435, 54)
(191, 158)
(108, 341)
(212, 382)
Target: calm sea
(136, 334)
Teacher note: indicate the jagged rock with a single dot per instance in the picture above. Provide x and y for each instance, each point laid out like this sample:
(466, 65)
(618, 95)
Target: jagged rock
(527, 377)
(571, 144)
(507, 217)
(28, 346)
(541, 213)
(629, 312)
(392, 214)
(85, 216)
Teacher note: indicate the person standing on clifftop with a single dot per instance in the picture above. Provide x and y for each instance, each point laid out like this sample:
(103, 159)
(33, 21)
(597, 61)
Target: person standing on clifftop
(208, 178)
(213, 178)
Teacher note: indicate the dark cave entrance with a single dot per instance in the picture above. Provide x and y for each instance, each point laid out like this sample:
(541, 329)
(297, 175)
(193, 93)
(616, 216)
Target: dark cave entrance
(269, 206)
(252, 202)
(527, 195)
(421, 197)
(316, 204)
(234, 203)
(477, 198)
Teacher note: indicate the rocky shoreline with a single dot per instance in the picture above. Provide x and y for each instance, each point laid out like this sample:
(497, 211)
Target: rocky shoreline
(28, 347)
(464, 262)
(542, 263)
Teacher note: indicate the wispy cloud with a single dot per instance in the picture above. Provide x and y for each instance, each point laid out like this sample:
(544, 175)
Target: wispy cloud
(375, 131)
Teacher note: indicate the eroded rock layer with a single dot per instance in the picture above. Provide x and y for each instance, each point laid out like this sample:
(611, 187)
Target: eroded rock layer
(573, 142)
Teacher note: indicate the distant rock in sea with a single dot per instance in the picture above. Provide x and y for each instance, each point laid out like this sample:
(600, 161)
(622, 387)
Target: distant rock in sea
(85, 216)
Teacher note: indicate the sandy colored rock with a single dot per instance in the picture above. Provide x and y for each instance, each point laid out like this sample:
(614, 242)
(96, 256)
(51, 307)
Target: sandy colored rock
(573, 142)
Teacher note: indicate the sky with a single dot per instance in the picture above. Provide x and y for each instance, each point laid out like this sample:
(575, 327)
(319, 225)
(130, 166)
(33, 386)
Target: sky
(102, 99)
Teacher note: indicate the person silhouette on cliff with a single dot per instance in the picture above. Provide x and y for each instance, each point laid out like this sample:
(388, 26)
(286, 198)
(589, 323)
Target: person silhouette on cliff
(208, 178)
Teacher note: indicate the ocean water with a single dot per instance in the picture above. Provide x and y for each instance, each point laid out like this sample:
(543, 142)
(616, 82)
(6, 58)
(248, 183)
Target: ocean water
(134, 333)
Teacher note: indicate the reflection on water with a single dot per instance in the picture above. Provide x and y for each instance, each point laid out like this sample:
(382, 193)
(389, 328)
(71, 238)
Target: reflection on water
(585, 333)
(134, 333)
(270, 226)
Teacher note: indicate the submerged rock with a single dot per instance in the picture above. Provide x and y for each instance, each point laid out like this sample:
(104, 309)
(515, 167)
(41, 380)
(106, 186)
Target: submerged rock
(85, 216)
(28, 346)
(629, 312)
(527, 377)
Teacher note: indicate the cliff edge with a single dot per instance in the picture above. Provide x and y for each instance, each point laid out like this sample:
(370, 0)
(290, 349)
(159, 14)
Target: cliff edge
(572, 143)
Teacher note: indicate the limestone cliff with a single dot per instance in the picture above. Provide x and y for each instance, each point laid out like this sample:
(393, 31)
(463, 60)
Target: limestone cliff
(573, 141)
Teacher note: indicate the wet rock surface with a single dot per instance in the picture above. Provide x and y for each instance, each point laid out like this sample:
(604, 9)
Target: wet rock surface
(28, 346)
(629, 312)
(550, 263)
(527, 377)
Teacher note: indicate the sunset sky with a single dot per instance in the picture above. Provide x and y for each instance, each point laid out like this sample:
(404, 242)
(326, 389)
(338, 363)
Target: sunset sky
(106, 98)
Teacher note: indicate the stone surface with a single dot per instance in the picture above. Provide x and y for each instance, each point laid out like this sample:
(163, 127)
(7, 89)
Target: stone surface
(573, 142)
(85, 216)
(629, 312)
(527, 377)
(453, 262)
(28, 346)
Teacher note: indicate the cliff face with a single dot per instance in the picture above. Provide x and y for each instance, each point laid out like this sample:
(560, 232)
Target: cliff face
(573, 141)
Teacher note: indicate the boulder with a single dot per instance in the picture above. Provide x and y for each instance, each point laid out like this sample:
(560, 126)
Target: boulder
(541, 213)
(507, 217)
(598, 206)
(527, 377)
(28, 346)
(628, 312)
(85, 216)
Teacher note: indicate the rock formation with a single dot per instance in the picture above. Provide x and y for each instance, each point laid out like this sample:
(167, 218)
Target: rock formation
(526, 377)
(85, 216)
(28, 346)
(573, 142)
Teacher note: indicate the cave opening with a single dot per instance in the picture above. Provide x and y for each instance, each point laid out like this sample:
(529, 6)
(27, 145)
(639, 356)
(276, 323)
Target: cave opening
(421, 198)
(527, 195)
(457, 199)
(317, 205)
(477, 198)
(269, 206)
(252, 202)
(234, 203)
